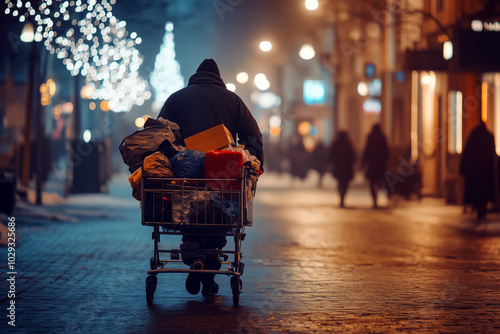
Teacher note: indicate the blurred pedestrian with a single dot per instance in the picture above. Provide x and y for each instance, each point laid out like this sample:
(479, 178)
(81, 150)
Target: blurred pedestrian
(375, 159)
(320, 161)
(478, 166)
(342, 156)
(300, 159)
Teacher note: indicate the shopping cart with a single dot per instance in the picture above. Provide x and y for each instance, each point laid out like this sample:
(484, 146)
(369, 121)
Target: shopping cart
(175, 206)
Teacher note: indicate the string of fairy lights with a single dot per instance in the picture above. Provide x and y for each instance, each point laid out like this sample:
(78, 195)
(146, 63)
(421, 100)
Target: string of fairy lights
(90, 41)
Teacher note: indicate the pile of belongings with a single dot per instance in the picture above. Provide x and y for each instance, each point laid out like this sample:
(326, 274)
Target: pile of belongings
(158, 152)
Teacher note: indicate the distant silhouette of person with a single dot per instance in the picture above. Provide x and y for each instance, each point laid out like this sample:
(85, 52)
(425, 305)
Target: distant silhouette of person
(274, 157)
(375, 159)
(299, 158)
(320, 160)
(342, 156)
(477, 165)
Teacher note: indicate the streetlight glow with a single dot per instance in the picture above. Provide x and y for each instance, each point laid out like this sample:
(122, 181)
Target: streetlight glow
(362, 88)
(28, 33)
(139, 122)
(311, 4)
(307, 52)
(87, 136)
(265, 46)
(242, 77)
(231, 87)
(447, 50)
(261, 81)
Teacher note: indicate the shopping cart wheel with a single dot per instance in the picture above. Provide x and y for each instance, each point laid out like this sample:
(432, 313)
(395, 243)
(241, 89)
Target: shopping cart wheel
(236, 286)
(150, 288)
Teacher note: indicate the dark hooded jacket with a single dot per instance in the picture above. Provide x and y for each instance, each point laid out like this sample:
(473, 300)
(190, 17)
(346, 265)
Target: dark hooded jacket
(206, 102)
(342, 156)
(376, 154)
(477, 165)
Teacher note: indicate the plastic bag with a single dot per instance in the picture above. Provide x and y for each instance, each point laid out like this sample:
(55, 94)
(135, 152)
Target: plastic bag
(158, 165)
(135, 183)
(155, 165)
(189, 206)
(229, 207)
(247, 157)
(157, 135)
(189, 164)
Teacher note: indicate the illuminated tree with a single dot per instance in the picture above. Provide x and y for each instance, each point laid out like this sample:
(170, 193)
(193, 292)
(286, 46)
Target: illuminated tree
(166, 77)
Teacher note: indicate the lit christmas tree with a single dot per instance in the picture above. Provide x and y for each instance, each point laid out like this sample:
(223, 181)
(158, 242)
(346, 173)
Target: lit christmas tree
(166, 77)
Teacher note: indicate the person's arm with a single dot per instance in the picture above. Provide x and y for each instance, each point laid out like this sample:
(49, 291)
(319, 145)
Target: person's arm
(249, 134)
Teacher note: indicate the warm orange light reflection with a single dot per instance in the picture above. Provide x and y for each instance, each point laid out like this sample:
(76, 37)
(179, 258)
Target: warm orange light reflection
(484, 101)
(104, 106)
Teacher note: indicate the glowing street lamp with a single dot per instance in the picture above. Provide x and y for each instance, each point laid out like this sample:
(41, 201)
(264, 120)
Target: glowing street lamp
(28, 33)
(242, 77)
(307, 52)
(265, 46)
(311, 4)
(261, 82)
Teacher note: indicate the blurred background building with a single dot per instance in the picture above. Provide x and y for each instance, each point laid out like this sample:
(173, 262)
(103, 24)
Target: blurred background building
(76, 78)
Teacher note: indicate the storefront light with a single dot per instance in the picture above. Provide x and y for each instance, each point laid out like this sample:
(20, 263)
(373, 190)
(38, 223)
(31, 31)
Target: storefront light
(311, 4)
(87, 136)
(275, 120)
(261, 82)
(362, 89)
(242, 77)
(28, 33)
(139, 122)
(484, 101)
(265, 46)
(428, 78)
(372, 106)
(304, 128)
(307, 52)
(447, 50)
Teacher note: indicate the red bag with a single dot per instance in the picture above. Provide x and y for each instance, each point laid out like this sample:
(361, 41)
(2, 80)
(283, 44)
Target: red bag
(222, 164)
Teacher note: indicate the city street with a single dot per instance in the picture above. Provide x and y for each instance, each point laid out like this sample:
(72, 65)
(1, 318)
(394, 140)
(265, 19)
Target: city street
(309, 267)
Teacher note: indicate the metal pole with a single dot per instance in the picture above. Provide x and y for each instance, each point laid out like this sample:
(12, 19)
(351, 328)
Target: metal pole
(39, 137)
(25, 177)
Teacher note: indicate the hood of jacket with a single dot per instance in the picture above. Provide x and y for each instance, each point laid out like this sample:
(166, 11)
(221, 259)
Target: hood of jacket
(206, 78)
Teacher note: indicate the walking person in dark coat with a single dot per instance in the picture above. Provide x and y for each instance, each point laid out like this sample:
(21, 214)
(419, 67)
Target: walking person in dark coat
(375, 159)
(203, 104)
(478, 166)
(342, 157)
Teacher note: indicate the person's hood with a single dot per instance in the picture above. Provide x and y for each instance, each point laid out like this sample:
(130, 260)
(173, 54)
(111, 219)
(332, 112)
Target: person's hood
(209, 65)
(207, 73)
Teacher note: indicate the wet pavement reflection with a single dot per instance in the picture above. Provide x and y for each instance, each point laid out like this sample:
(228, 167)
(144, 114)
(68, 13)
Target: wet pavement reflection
(310, 266)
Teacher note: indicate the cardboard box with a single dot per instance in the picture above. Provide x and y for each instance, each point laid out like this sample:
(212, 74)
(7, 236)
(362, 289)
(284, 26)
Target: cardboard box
(212, 139)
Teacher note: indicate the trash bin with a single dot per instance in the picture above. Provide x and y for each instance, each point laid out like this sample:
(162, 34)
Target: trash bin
(85, 160)
(7, 193)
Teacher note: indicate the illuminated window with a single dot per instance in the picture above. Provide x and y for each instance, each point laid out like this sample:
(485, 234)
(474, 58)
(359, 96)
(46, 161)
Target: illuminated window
(455, 122)
(314, 92)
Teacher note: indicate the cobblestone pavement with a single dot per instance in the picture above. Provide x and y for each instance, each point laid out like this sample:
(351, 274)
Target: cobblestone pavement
(309, 267)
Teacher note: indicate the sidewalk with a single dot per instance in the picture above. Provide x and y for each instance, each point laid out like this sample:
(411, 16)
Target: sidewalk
(75, 207)
(119, 195)
(310, 267)
(108, 205)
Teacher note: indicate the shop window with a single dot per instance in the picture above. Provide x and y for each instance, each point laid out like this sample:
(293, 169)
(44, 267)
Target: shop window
(455, 122)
